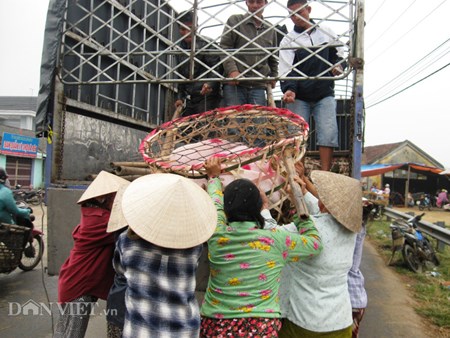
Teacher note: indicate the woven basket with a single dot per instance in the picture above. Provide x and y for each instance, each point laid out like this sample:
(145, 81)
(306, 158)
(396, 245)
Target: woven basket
(11, 246)
(243, 137)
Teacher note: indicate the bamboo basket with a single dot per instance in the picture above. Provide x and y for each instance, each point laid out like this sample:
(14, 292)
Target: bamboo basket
(242, 136)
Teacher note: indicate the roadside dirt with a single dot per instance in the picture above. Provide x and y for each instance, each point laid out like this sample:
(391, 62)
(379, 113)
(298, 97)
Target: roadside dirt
(433, 216)
(392, 307)
(397, 301)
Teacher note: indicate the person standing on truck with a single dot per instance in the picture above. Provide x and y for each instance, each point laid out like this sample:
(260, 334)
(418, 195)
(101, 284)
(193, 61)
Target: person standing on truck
(88, 273)
(308, 49)
(251, 34)
(197, 97)
(246, 260)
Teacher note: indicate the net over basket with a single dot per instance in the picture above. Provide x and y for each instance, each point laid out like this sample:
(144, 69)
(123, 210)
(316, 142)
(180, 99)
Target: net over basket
(249, 139)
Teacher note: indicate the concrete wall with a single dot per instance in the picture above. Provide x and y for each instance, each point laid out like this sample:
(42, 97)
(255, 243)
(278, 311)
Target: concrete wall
(63, 215)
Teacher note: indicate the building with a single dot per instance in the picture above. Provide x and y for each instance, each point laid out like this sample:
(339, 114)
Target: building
(21, 153)
(405, 167)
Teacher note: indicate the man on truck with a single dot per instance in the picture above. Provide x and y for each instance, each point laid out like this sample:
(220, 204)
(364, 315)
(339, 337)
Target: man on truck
(306, 48)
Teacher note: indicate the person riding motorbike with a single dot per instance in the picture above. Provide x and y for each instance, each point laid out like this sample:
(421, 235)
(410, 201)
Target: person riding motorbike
(8, 207)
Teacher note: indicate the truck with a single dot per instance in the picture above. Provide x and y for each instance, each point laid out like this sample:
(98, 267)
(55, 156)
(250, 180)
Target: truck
(109, 76)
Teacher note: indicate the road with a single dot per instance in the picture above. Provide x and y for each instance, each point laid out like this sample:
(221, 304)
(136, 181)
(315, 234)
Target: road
(389, 313)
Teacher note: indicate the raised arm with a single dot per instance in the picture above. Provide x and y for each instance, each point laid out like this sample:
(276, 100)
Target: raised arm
(214, 187)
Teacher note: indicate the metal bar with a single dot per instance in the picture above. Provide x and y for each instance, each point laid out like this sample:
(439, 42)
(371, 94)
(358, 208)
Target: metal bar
(165, 46)
(407, 186)
(109, 114)
(433, 230)
(358, 93)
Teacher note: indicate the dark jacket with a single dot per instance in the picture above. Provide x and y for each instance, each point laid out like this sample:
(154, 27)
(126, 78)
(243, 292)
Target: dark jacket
(312, 65)
(191, 90)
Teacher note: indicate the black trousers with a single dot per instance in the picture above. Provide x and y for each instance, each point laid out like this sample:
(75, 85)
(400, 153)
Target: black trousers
(208, 102)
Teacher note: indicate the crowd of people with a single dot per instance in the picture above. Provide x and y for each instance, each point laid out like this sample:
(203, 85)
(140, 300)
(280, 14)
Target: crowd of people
(138, 246)
(308, 50)
(421, 199)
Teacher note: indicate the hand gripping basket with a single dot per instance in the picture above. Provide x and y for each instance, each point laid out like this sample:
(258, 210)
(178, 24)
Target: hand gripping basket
(11, 245)
(251, 140)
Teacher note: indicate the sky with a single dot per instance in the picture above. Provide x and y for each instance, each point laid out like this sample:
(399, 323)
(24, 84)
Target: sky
(406, 45)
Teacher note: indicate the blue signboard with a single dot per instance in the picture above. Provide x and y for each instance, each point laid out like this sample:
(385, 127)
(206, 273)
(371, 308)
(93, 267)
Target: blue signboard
(19, 145)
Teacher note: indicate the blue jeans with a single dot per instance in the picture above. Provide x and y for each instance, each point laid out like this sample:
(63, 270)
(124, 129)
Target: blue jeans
(324, 113)
(238, 95)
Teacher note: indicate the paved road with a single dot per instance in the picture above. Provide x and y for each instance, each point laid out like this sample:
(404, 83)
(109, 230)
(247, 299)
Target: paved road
(389, 313)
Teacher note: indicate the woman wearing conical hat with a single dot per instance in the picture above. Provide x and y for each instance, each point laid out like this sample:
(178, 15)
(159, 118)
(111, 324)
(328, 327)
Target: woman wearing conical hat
(169, 218)
(314, 295)
(87, 274)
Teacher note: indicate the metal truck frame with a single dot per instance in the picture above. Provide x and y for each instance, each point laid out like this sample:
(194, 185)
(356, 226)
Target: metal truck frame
(109, 76)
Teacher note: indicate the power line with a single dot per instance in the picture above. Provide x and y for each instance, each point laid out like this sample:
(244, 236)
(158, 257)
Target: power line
(407, 32)
(407, 69)
(412, 77)
(376, 11)
(412, 73)
(409, 86)
(390, 26)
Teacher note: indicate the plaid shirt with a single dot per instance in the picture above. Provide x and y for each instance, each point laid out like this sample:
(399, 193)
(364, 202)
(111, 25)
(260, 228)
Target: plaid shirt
(358, 295)
(160, 299)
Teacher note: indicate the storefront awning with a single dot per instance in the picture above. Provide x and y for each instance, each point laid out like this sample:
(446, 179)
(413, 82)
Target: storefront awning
(378, 169)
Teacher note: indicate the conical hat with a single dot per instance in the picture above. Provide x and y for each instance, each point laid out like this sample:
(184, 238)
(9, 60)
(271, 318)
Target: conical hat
(341, 195)
(105, 183)
(116, 219)
(169, 210)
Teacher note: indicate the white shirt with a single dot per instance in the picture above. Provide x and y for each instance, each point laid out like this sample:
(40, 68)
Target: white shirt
(314, 293)
(319, 36)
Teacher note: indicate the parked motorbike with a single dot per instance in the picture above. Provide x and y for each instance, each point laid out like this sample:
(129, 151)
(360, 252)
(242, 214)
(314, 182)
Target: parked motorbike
(376, 213)
(33, 196)
(424, 202)
(21, 244)
(416, 248)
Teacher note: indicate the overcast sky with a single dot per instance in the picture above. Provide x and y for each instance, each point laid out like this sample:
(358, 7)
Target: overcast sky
(406, 44)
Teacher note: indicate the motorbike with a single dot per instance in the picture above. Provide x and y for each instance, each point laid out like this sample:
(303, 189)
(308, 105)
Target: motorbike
(21, 244)
(416, 248)
(424, 202)
(377, 212)
(33, 197)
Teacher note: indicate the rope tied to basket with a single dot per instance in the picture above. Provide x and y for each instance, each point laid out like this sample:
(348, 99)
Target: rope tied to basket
(250, 140)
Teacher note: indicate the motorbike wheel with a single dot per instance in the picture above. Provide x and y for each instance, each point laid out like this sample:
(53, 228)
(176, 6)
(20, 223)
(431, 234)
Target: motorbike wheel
(421, 207)
(430, 252)
(36, 200)
(411, 259)
(32, 254)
